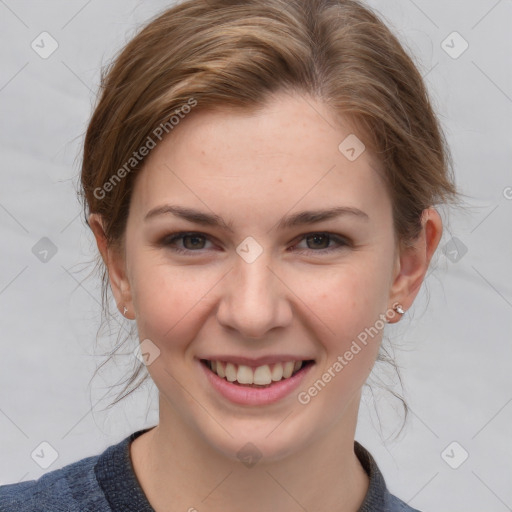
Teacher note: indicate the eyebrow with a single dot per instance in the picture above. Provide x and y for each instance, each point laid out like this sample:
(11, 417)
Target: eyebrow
(297, 219)
(313, 216)
(190, 214)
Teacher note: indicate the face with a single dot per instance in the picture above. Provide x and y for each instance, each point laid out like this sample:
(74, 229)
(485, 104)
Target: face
(252, 239)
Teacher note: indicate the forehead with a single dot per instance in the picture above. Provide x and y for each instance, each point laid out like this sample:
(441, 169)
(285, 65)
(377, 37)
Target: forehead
(293, 150)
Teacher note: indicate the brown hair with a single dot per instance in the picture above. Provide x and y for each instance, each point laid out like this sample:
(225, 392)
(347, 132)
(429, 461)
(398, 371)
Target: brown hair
(236, 54)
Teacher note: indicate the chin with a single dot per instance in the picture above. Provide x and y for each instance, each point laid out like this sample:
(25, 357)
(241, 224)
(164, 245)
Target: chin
(254, 441)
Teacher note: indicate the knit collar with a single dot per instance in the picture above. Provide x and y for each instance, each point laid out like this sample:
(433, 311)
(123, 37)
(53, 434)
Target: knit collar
(116, 477)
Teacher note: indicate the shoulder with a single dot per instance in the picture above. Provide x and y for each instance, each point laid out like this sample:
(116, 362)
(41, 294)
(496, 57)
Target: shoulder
(397, 505)
(378, 498)
(73, 488)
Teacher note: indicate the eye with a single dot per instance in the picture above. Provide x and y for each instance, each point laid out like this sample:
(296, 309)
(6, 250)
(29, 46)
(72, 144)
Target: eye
(190, 241)
(321, 242)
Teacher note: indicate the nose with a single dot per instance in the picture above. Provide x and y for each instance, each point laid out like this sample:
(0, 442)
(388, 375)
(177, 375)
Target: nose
(254, 299)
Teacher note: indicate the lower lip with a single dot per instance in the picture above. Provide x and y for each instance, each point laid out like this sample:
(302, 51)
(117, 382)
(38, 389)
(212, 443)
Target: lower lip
(246, 395)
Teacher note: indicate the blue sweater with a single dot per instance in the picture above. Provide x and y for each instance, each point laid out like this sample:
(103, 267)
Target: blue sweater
(107, 482)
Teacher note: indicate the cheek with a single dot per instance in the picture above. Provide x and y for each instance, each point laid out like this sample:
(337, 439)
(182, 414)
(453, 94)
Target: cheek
(349, 302)
(345, 299)
(168, 301)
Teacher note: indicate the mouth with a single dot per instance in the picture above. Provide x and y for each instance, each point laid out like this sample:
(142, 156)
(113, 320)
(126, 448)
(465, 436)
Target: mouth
(263, 376)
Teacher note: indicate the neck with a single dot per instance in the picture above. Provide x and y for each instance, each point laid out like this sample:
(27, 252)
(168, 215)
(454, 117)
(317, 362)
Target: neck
(177, 468)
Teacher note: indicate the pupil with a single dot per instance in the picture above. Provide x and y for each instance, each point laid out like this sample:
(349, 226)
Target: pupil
(318, 238)
(195, 238)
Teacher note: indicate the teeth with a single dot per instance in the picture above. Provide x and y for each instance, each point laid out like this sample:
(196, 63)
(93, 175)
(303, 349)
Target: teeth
(231, 372)
(277, 372)
(288, 369)
(244, 375)
(220, 369)
(261, 376)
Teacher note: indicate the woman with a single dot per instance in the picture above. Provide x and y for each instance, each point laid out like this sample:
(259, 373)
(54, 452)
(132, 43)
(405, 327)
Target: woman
(260, 178)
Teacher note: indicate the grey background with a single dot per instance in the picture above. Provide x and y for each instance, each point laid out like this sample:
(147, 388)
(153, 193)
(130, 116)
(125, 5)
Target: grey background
(454, 345)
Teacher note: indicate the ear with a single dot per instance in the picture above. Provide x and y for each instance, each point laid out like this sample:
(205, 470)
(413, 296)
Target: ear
(116, 265)
(413, 262)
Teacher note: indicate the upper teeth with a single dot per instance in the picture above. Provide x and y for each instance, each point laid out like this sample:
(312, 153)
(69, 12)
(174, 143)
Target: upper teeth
(261, 375)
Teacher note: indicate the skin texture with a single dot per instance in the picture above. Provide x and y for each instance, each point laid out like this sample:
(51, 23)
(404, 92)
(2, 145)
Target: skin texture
(252, 170)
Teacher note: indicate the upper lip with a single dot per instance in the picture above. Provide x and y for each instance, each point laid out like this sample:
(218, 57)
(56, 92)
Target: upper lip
(257, 361)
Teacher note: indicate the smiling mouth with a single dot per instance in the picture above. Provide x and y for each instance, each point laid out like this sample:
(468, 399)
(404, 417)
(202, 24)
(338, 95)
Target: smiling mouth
(260, 377)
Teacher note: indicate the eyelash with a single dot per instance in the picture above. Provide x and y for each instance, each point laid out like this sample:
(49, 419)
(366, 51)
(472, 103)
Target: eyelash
(169, 240)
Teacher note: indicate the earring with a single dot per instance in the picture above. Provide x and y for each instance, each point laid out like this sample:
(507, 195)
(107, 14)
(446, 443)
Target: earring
(125, 309)
(398, 308)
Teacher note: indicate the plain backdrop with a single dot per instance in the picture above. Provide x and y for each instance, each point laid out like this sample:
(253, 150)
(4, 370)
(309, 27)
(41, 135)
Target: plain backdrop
(454, 346)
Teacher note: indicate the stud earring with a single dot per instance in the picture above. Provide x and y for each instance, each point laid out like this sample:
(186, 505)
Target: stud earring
(398, 308)
(125, 309)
